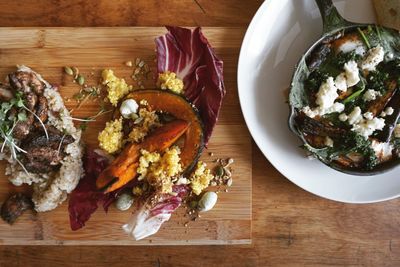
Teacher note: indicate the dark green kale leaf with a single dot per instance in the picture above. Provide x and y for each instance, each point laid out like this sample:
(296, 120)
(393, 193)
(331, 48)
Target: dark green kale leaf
(352, 142)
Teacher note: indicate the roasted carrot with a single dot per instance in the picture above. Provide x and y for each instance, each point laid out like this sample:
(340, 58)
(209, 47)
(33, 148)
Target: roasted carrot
(123, 169)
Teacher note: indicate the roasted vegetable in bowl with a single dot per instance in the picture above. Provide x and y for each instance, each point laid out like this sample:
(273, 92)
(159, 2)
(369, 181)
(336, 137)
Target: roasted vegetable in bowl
(345, 98)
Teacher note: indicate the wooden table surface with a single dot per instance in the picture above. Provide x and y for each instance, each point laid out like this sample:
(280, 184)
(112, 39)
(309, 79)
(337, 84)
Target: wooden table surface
(291, 227)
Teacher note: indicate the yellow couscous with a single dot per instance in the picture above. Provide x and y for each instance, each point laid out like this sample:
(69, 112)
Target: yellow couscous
(110, 139)
(117, 88)
(160, 170)
(200, 178)
(169, 80)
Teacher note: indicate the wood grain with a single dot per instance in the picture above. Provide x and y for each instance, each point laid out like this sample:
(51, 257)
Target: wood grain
(47, 50)
(78, 13)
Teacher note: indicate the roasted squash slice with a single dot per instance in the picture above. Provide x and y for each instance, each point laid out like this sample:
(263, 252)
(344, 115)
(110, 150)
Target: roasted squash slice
(177, 106)
(123, 169)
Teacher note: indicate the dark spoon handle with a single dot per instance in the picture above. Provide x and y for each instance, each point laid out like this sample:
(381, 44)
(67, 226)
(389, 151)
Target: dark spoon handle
(331, 19)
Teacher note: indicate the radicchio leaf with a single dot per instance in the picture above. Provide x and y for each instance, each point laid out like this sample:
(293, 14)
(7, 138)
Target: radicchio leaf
(149, 217)
(84, 200)
(189, 54)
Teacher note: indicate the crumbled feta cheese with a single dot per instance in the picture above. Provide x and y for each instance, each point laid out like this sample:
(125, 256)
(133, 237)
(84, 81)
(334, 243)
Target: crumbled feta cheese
(355, 116)
(351, 70)
(352, 45)
(327, 94)
(382, 150)
(368, 127)
(328, 141)
(389, 111)
(310, 112)
(336, 107)
(368, 115)
(343, 117)
(396, 131)
(341, 82)
(326, 97)
(370, 95)
(374, 57)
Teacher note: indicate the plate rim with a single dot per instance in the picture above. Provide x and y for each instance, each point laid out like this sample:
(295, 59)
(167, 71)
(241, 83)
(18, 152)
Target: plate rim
(245, 42)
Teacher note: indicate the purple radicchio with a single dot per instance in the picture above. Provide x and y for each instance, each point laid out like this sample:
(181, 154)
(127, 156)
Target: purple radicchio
(148, 218)
(85, 199)
(189, 54)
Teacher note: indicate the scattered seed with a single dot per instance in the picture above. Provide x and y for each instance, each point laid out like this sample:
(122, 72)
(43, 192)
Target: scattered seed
(141, 64)
(226, 190)
(88, 89)
(137, 61)
(129, 64)
(80, 79)
(229, 182)
(230, 161)
(219, 171)
(145, 186)
(136, 72)
(68, 70)
(138, 120)
(134, 116)
(76, 72)
(193, 204)
(227, 172)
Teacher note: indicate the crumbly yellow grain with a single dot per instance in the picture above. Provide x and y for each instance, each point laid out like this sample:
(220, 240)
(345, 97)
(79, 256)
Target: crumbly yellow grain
(145, 160)
(169, 80)
(137, 191)
(117, 88)
(149, 121)
(160, 170)
(200, 178)
(110, 139)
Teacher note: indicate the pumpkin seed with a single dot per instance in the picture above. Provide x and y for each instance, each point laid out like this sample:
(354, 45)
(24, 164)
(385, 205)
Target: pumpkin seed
(68, 70)
(88, 89)
(80, 79)
(227, 172)
(141, 64)
(137, 70)
(219, 171)
(229, 182)
(138, 120)
(137, 61)
(134, 116)
(75, 70)
(145, 186)
(193, 204)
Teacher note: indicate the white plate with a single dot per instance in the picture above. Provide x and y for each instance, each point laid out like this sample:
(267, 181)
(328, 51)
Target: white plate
(276, 38)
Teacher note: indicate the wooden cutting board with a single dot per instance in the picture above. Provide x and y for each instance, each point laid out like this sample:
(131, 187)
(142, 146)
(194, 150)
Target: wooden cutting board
(47, 50)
